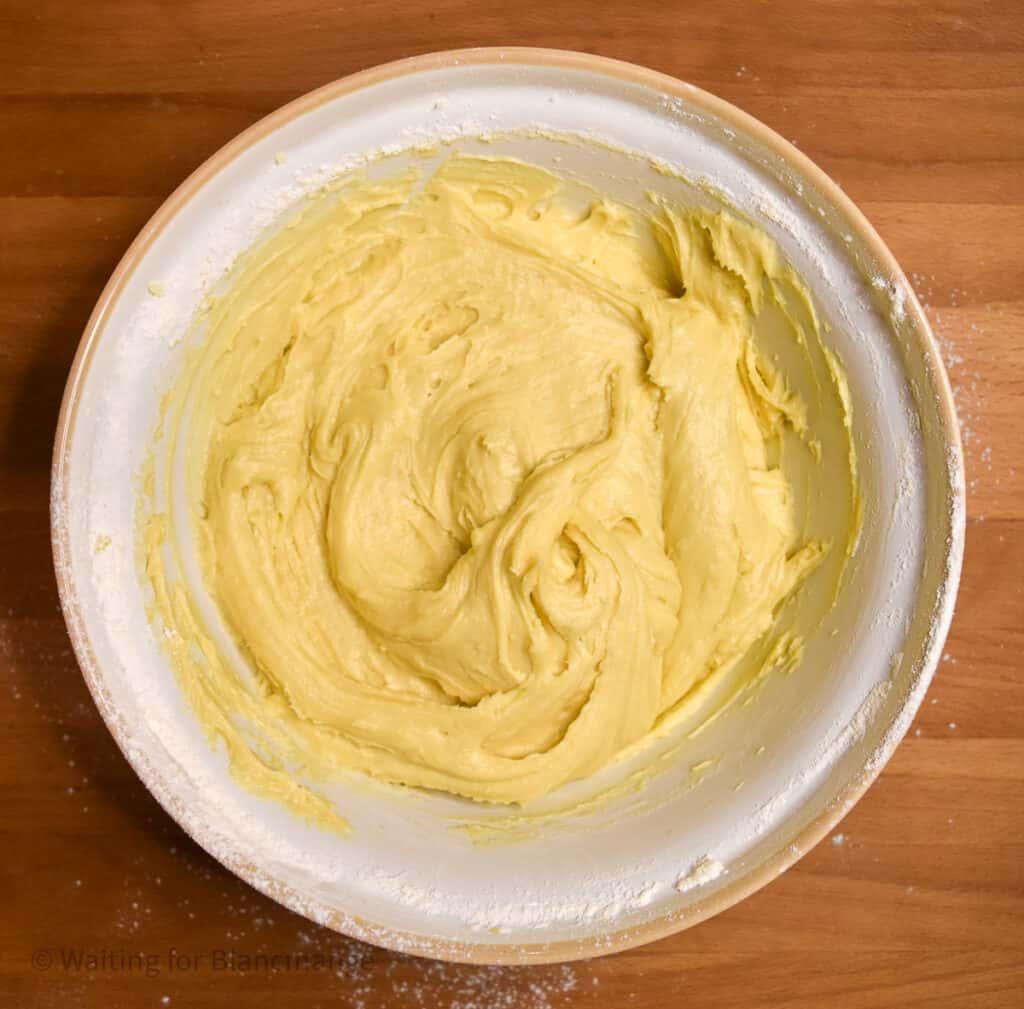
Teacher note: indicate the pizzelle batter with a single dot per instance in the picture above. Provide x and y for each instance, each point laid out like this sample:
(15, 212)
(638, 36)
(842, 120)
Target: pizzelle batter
(484, 483)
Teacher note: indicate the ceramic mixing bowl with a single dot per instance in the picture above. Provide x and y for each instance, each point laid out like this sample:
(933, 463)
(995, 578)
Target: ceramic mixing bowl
(730, 806)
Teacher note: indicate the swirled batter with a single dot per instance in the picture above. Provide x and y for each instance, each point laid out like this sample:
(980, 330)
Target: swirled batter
(484, 481)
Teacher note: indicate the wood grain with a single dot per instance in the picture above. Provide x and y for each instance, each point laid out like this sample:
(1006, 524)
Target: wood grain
(917, 109)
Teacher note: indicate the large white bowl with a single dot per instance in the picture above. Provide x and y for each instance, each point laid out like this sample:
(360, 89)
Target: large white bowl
(787, 769)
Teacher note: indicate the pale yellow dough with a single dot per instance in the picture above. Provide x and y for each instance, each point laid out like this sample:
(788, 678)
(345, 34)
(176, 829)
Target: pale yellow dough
(484, 482)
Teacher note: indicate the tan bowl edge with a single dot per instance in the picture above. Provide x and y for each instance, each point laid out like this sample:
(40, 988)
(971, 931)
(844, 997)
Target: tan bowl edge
(941, 609)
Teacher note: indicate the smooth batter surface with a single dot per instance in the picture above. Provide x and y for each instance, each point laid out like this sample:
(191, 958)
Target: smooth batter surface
(484, 481)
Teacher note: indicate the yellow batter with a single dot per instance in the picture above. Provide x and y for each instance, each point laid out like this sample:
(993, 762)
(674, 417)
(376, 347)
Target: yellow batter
(484, 481)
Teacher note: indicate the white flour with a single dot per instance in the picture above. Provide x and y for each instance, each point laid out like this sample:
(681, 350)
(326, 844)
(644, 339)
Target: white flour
(705, 870)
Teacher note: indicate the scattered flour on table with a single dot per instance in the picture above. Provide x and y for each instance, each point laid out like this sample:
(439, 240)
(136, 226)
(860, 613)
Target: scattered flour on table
(364, 976)
(944, 308)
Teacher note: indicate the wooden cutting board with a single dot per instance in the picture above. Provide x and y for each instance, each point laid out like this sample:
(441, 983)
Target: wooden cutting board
(917, 109)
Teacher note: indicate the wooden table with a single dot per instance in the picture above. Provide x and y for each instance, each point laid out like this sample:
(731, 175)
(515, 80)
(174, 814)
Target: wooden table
(916, 108)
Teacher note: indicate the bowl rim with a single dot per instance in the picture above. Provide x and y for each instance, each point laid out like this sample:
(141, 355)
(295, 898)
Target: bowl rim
(942, 607)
